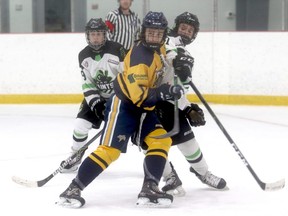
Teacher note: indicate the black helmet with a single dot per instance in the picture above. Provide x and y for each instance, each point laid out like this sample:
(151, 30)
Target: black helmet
(155, 20)
(190, 19)
(96, 25)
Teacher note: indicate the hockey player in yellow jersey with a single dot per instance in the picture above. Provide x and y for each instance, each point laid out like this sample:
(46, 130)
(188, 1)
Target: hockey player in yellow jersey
(136, 93)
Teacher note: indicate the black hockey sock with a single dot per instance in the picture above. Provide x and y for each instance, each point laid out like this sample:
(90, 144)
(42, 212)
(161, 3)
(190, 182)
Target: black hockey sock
(153, 168)
(87, 172)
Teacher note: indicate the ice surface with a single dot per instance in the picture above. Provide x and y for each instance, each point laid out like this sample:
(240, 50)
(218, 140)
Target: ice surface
(36, 138)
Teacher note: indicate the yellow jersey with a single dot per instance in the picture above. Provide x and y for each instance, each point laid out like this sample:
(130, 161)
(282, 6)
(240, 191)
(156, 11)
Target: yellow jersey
(143, 70)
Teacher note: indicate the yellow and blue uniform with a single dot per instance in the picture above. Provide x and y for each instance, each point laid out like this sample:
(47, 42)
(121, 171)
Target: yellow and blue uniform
(130, 110)
(142, 69)
(135, 96)
(132, 105)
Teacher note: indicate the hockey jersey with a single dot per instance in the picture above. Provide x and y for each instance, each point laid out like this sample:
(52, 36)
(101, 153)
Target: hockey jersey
(99, 70)
(142, 69)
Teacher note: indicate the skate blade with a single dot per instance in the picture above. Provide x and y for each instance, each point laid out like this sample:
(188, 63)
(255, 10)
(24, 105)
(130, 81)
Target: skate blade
(226, 188)
(145, 202)
(69, 203)
(177, 192)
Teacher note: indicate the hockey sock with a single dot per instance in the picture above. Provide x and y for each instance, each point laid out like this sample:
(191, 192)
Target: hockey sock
(153, 168)
(193, 154)
(156, 155)
(87, 172)
(97, 161)
(80, 133)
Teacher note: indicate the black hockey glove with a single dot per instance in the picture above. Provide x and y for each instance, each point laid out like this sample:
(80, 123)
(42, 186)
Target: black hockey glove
(195, 115)
(170, 92)
(183, 65)
(99, 109)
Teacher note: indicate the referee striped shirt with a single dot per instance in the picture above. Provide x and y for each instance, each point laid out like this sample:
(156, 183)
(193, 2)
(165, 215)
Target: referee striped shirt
(123, 28)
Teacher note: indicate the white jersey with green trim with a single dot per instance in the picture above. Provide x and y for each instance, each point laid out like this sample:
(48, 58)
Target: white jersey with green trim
(99, 70)
(173, 45)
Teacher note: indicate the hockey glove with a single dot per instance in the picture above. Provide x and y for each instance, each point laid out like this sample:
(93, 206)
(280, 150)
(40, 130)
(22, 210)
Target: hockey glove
(99, 109)
(195, 115)
(169, 92)
(183, 65)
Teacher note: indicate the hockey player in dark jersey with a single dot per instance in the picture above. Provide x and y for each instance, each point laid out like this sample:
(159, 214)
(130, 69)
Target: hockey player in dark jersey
(100, 61)
(137, 90)
(184, 32)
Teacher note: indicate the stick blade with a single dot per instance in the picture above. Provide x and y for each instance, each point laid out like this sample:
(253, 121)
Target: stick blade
(24, 182)
(274, 186)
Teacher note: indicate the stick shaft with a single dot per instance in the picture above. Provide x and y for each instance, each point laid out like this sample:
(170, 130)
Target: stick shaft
(277, 185)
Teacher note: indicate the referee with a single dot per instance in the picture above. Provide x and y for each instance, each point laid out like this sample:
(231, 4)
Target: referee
(123, 24)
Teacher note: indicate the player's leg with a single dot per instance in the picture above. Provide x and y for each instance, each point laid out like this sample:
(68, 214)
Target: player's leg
(80, 135)
(173, 184)
(154, 163)
(194, 156)
(91, 167)
(189, 147)
(84, 122)
(191, 150)
(113, 141)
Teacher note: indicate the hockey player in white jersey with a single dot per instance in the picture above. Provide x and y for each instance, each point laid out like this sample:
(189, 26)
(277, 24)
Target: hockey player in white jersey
(100, 61)
(184, 32)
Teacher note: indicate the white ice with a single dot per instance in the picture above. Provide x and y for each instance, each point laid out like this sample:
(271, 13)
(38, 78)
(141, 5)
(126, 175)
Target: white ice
(36, 138)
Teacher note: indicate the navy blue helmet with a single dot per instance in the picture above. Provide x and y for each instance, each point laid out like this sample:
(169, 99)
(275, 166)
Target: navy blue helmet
(155, 20)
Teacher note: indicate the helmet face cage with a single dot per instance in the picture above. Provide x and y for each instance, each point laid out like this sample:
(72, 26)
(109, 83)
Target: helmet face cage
(190, 19)
(99, 26)
(155, 20)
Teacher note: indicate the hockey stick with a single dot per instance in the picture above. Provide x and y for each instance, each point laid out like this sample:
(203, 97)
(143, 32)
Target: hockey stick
(176, 127)
(42, 182)
(264, 186)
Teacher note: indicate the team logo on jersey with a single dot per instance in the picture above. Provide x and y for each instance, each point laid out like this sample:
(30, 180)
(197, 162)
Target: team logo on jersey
(104, 82)
(133, 77)
(121, 138)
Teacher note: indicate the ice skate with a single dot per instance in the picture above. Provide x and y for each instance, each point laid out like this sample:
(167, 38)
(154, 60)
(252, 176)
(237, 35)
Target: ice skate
(210, 179)
(71, 197)
(151, 196)
(73, 165)
(173, 184)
